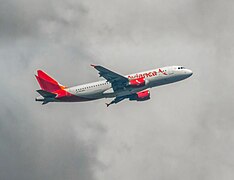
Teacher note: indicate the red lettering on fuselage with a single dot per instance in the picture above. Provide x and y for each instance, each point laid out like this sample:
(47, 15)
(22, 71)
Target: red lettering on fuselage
(163, 72)
(147, 74)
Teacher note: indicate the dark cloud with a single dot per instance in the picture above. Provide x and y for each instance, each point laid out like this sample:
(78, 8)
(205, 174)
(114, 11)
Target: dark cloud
(184, 132)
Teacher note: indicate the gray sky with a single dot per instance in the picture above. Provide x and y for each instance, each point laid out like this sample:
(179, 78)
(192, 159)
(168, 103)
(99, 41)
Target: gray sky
(184, 132)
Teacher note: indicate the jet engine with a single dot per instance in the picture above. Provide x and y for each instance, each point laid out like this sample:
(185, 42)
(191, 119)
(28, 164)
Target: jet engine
(140, 96)
(139, 82)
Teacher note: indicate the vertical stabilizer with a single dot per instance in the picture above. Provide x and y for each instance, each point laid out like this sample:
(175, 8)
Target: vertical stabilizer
(47, 83)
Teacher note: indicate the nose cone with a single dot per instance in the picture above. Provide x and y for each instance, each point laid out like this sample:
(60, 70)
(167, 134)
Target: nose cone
(189, 72)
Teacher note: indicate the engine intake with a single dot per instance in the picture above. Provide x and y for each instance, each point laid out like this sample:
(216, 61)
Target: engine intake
(140, 96)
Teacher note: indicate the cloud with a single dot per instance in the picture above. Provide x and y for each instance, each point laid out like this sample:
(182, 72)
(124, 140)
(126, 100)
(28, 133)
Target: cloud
(38, 144)
(183, 132)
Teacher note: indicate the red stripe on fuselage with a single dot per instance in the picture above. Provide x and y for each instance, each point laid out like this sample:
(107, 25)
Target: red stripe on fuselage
(74, 98)
(64, 96)
(49, 84)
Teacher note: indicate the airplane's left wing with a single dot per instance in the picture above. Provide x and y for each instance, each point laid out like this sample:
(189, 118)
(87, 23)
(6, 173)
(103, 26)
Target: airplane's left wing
(118, 81)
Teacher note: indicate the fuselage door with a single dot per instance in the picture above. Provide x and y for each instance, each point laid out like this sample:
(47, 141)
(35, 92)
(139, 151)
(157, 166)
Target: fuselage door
(170, 70)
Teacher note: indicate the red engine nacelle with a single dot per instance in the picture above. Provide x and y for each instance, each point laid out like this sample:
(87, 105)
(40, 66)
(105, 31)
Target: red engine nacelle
(139, 82)
(140, 96)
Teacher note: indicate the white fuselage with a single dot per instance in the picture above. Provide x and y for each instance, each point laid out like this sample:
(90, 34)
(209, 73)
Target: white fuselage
(155, 77)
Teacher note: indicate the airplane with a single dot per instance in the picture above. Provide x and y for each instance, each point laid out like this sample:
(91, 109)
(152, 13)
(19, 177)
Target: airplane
(134, 87)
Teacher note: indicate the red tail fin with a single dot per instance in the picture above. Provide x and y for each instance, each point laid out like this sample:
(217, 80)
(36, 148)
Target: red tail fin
(47, 83)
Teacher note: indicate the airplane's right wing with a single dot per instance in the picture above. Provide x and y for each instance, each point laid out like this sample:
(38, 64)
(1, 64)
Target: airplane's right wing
(118, 81)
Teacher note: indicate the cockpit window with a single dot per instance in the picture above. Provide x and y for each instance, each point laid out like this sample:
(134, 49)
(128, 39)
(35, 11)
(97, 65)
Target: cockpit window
(181, 68)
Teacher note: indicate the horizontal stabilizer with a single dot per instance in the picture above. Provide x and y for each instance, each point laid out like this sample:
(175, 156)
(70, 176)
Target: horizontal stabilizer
(46, 94)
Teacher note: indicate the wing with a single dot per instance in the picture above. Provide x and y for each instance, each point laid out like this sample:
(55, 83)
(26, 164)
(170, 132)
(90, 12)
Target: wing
(118, 81)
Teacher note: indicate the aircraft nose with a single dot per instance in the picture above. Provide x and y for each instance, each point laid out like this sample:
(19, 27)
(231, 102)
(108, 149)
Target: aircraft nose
(189, 72)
